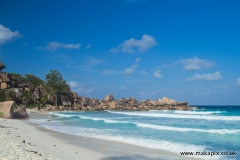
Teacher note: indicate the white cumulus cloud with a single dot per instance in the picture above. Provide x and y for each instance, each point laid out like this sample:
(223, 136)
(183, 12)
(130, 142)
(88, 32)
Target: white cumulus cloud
(195, 63)
(238, 81)
(157, 74)
(206, 77)
(132, 44)
(144, 72)
(73, 84)
(132, 69)
(7, 35)
(53, 46)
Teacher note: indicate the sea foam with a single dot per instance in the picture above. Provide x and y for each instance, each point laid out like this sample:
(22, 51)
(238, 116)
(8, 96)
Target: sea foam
(105, 135)
(170, 115)
(160, 127)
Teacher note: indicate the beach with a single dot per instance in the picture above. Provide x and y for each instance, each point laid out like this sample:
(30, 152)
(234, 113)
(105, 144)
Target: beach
(22, 140)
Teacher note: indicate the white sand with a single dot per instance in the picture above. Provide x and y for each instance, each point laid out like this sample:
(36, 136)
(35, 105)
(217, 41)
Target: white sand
(44, 144)
(38, 145)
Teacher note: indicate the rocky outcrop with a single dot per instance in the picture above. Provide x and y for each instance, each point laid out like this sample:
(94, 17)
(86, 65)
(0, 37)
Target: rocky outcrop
(7, 108)
(20, 113)
(108, 98)
(2, 66)
(23, 92)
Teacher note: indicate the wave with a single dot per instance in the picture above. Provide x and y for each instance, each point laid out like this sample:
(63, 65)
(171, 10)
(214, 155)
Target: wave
(158, 127)
(199, 112)
(218, 131)
(102, 119)
(63, 115)
(169, 115)
(188, 112)
(106, 134)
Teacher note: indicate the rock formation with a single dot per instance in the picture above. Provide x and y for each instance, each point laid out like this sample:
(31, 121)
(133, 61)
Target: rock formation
(23, 92)
(20, 113)
(7, 108)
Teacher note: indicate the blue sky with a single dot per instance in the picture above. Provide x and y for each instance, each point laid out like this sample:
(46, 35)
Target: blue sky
(147, 49)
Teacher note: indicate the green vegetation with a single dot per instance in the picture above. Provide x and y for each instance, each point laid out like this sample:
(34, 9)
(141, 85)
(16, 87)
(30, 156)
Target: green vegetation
(26, 95)
(57, 85)
(18, 76)
(2, 95)
(35, 80)
(10, 95)
(1, 114)
(54, 86)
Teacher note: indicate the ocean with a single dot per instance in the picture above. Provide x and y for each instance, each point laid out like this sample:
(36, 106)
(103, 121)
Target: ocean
(216, 129)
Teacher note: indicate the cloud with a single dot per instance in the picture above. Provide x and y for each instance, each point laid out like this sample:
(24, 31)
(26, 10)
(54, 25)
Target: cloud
(157, 74)
(142, 93)
(155, 92)
(195, 63)
(79, 88)
(7, 35)
(144, 72)
(206, 77)
(73, 84)
(94, 61)
(109, 72)
(88, 46)
(89, 91)
(123, 88)
(238, 81)
(131, 70)
(131, 45)
(53, 46)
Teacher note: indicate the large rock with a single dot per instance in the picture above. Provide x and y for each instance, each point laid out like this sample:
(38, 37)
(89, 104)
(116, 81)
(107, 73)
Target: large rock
(7, 108)
(133, 102)
(169, 101)
(20, 113)
(2, 66)
(14, 94)
(112, 105)
(109, 98)
(65, 101)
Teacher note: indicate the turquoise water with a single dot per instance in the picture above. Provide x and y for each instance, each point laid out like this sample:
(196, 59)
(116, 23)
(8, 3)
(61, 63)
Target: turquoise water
(216, 129)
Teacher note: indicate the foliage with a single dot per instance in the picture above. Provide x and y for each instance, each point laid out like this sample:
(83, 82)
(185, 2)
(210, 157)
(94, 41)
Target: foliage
(34, 79)
(10, 95)
(56, 82)
(33, 105)
(44, 99)
(2, 95)
(18, 76)
(1, 114)
(26, 95)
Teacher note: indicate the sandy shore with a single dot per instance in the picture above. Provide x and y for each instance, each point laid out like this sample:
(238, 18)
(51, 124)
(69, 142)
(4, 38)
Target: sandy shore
(22, 140)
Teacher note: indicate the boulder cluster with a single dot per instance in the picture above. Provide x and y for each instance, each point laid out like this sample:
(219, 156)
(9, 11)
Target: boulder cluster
(109, 103)
(23, 92)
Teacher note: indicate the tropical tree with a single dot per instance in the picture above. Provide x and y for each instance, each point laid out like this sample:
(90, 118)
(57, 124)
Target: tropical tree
(57, 85)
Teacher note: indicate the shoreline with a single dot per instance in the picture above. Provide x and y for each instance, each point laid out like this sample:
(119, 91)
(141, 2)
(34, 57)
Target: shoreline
(56, 145)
